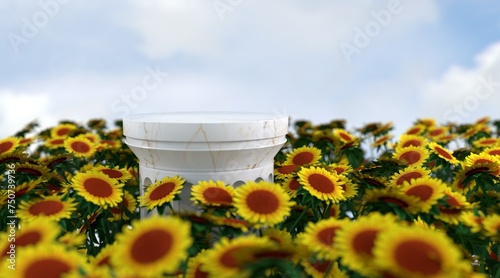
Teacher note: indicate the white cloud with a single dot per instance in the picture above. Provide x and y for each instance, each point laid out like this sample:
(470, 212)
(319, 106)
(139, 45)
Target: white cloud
(17, 109)
(464, 94)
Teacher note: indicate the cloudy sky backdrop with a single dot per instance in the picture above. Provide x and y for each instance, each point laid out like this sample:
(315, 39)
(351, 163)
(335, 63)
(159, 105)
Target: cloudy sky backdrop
(363, 61)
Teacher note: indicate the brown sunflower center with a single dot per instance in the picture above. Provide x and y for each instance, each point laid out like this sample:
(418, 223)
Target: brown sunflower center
(118, 209)
(80, 147)
(303, 158)
(56, 142)
(436, 132)
(112, 173)
(327, 235)
(46, 207)
(423, 257)
(161, 191)
(228, 258)
(408, 177)
(321, 183)
(489, 141)
(414, 130)
(345, 136)
(62, 131)
(98, 187)
(364, 241)
(423, 192)
(287, 169)
(28, 238)
(443, 153)
(198, 273)
(412, 142)
(494, 152)
(262, 201)
(5, 146)
(321, 267)
(46, 267)
(394, 200)
(411, 157)
(151, 246)
(294, 184)
(217, 196)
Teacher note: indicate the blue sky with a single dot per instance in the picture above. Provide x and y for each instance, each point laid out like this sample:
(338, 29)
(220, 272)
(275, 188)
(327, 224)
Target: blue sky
(77, 60)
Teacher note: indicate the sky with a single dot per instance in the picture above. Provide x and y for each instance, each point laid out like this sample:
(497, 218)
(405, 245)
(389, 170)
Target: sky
(361, 61)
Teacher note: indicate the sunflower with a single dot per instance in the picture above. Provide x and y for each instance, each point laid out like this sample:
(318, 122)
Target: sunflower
(291, 185)
(128, 204)
(491, 224)
(392, 197)
(322, 184)
(33, 169)
(62, 130)
(98, 188)
(427, 190)
(381, 129)
(195, 266)
(482, 163)
(281, 237)
(94, 138)
(303, 155)
(486, 142)
(344, 136)
(473, 130)
(109, 144)
(212, 193)
(103, 258)
(161, 192)
(437, 131)
(443, 153)
(319, 237)
(456, 203)
(240, 224)
(47, 260)
(228, 257)
(153, 246)
(338, 168)
(283, 171)
(47, 207)
(495, 151)
(416, 129)
(262, 202)
(26, 141)
(120, 174)
(33, 233)
(54, 160)
(473, 220)
(428, 122)
(445, 139)
(355, 241)
(382, 140)
(80, 146)
(350, 188)
(27, 187)
(54, 143)
(8, 144)
(408, 174)
(458, 183)
(411, 155)
(73, 238)
(406, 251)
(319, 269)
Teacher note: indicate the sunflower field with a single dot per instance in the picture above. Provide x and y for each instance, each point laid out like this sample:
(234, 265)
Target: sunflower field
(345, 202)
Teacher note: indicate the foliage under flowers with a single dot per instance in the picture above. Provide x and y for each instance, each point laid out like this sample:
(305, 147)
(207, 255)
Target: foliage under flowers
(344, 203)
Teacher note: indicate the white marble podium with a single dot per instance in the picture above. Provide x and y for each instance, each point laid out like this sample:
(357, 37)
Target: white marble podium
(229, 146)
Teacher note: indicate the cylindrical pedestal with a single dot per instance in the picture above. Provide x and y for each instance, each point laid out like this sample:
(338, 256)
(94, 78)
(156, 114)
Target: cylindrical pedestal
(231, 147)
